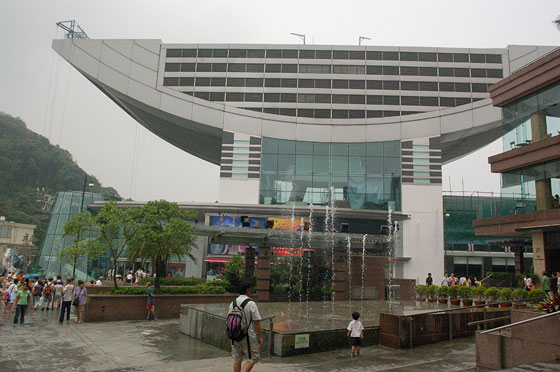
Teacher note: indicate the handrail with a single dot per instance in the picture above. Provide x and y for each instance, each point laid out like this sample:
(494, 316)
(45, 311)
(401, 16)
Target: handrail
(521, 322)
(477, 306)
(488, 320)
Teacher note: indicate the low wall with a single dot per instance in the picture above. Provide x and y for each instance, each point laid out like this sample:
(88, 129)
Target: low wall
(523, 344)
(405, 331)
(133, 307)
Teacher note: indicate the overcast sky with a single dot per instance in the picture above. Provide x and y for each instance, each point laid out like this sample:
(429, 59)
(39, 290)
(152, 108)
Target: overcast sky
(106, 142)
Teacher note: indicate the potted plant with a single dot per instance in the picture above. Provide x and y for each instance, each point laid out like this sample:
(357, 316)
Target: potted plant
(535, 295)
(453, 293)
(431, 292)
(505, 295)
(443, 293)
(465, 294)
(478, 294)
(520, 294)
(491, 295)
(420, 291)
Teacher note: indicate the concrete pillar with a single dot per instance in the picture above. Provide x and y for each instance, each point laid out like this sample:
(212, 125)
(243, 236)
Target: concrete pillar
(250, 264)
(538, 126)
(538, 252)
(263, 274)
(518, 256)
(341, 288)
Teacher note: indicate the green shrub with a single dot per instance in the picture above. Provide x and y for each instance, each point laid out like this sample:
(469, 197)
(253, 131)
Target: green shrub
(519, 294)
(539, 308)
(432, 291)
(443, 292)
(234, 273)
(195, 289)
(505, 294)
(173, 281)
(420, 290)
(491, 293)
(278, 289)
(464, 292)
(479, 292)
(536, 294)
(453, 291)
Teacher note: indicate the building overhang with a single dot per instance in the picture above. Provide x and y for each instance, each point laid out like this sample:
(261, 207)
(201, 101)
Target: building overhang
(527, 80)
(529, 155)
(519, 225)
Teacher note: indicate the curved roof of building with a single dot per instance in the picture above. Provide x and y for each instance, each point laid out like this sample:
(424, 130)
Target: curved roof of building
(179, 91)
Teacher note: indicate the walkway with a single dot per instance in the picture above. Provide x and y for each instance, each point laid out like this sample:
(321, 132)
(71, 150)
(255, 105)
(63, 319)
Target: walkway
(42, 345)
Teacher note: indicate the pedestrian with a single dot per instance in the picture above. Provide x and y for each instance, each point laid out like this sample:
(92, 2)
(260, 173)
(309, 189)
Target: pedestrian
(529, 283)
(444, 280)
(58, 289)
(67, 295)
(12, 293)
(37, 293)
(129, 278)
(80, 299)
(545, 282)
(244, 324)
(553, 284)
(99, 282)
(429, 279)
(356, 333)
(22, 299)
(47, 295)
(150, 302)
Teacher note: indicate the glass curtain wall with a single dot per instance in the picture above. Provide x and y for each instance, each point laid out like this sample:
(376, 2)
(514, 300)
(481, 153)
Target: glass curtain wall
(65, 206)
(364, 175)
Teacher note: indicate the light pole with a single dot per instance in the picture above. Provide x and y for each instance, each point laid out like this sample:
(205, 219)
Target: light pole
(301, 36)
(362, 38)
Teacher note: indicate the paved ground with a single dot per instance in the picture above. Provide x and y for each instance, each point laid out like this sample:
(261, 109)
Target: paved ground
(43, 345)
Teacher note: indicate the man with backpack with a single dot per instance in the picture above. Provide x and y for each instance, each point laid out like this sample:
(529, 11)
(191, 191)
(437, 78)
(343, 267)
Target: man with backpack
(243, 327)
(47, 294)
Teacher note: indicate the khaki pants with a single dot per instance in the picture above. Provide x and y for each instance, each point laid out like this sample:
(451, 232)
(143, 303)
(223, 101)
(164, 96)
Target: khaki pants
(241, 348)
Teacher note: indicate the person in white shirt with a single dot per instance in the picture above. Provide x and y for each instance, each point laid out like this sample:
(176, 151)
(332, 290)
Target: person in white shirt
(58, 289)
(444, 280)
(12, 292)
(250, 345)
(99, 281)
(67, 296)
(356, 333)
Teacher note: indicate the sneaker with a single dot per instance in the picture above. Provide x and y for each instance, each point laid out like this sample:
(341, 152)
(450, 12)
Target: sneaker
(155, 317)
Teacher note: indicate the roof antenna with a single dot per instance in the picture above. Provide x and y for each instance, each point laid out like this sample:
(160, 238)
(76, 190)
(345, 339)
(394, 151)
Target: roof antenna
(73, 30)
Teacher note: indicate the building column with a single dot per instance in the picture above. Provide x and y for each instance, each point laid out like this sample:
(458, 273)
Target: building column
(538, 126)
(340, 285)
(263, 274)
(517, 248)
(539, 264)
(250, 264)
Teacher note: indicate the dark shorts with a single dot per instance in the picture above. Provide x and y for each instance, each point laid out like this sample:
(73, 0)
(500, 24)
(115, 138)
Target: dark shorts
(149, 305)
(356, 341)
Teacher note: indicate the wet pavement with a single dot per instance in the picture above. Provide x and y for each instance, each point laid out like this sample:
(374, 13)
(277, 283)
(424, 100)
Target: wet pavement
(43, 345)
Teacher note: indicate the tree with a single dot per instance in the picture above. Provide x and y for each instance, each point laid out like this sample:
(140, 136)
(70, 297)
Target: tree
(80, 247)
(162, 233)
(234, 273)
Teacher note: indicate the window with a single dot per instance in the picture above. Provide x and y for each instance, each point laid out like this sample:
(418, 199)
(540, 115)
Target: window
(322, 98)
(410, 85)
(315, 69)
(219, 67)
(356, 99)
(322, 113)
(218, 82)
(357, 84)
(340, 114)
(479, 87)
(289, 68)
(427, 57)
(273, 53)
(254, 82)
(374, 55)
(460, 57)
(493, 58)
(391, 100)
(340, 54)
(478, 72)
(447, 101)
(307, 54)
(288, 111)
(462, 101)
(220, 53)
(388, 114)
(203, 67)
(172, 67)
(306, 98)
(237, 67)
(306, 113)
(188, 53)
(186, 81)
(202, 82)
(390, 70)
(494, 73)
(255, 53)
(173, 53)
(374, 100)
(390, 56)
(238, 53)
(272, 97)
(253, 97)
(288, 83)
(374, 113)
(427, 71)
(428, 101)
(255, 67)
(374, 84)
(234, 97)
(289, 53)
(272, 83)
(288, 97)
(217, 96)
(356, 114)
(202, 95)
(445, 57)
(478, 58)
(322, 83)
(340, 98)
(445, 71)
(274, 111)
(187, 67)
(390, 85)
(374, 70)
(235, 82)
(171, 81)
(340, 84)
(306, 83)
(205, 52)
(462, 87)
(276, 67)
(431, 86)
(410, 101)
(446, 87)
(323, 54)
(409, 56)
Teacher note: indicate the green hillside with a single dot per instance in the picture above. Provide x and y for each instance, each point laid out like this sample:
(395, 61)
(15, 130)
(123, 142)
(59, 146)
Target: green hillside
(28, 161)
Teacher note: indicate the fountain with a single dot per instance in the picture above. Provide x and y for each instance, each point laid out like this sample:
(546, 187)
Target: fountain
(363, 268)
(392, 234)
(331, 237)
(349, 253)
(308, 279)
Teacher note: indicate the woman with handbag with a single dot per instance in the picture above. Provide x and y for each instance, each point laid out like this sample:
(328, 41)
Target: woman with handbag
(80, 301)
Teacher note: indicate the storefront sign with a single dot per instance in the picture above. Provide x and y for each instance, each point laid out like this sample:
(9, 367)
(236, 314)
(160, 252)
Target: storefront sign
(302, 341)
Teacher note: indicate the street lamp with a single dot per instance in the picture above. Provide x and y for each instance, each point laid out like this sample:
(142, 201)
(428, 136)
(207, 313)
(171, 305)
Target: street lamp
(301, 36)
(361, 38)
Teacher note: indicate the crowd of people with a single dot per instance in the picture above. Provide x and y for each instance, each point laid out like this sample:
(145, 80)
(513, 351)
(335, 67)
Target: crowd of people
(449, 280)
(20, 294)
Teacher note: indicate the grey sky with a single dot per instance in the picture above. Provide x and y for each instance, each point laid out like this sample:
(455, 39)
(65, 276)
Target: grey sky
(102, 137)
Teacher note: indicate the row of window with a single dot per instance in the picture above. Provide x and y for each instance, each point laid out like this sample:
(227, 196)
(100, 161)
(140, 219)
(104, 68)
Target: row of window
(356, 99)
(335, 69)
(322, 114)
(336, 54)
(430, 86)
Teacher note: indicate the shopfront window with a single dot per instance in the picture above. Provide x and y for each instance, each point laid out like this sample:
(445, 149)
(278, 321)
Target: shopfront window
(364, 175)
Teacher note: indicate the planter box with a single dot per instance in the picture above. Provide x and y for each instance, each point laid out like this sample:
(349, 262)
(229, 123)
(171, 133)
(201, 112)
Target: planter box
(442, 300)
(467, 302)
(455, 302)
